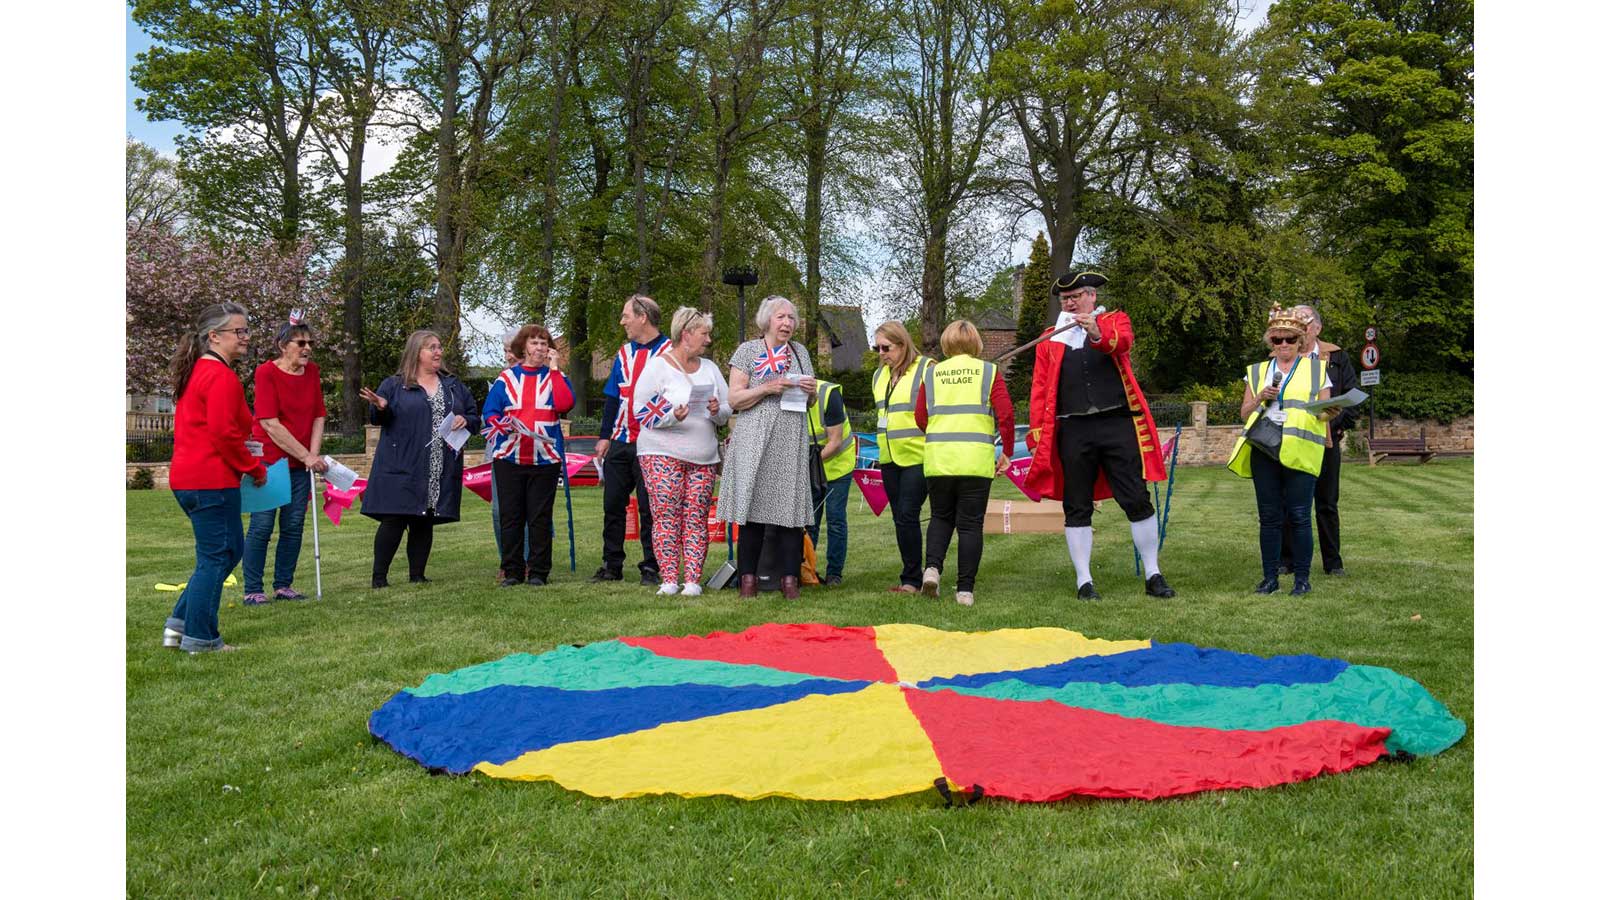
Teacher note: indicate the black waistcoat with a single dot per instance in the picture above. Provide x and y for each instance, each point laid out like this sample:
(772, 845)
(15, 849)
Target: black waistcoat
(1088, 382)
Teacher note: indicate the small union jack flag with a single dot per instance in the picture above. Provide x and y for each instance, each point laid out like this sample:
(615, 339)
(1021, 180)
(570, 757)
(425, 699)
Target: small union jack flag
(772, 361)
(656, 410)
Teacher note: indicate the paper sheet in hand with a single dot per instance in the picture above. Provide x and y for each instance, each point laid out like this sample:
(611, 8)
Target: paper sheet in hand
(792, 399)
(339, 475)
(271, 495)
(456, 438)
(700, 398)
(1352, 397)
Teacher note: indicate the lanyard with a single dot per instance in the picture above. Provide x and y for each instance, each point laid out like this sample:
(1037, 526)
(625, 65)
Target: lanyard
(1287, 379)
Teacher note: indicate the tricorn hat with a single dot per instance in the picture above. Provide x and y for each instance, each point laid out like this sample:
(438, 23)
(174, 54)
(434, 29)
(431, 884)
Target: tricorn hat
(1074, 280)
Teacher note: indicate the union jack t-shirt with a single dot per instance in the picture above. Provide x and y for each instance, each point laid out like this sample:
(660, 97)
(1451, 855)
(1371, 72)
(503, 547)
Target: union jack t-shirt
(522, 415)
(625, 372)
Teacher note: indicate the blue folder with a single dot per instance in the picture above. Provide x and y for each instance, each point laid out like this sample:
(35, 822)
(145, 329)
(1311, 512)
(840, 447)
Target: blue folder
(273, 494)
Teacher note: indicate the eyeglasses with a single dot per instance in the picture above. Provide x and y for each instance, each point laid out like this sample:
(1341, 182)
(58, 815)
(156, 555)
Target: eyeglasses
(302, 342)
(1284, 340)
(884, 348)
(241, 332)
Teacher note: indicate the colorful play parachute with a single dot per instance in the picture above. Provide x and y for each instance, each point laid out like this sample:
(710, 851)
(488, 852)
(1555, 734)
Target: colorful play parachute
(822, 712)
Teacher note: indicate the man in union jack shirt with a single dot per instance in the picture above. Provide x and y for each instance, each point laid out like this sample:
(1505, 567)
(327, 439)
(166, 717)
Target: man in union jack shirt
(619, 429)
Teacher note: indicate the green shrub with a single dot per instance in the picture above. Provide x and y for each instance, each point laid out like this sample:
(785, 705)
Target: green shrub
(143, 479)
(1440, 396)
(334, 444)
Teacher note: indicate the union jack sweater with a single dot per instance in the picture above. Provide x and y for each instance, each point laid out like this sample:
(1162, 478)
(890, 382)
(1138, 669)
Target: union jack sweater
(522, 415)
(618, 422)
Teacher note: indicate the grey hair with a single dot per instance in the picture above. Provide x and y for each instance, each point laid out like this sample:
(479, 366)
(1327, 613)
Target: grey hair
(769, 306)
(644, 306)
(1311, 314)
(687, 318)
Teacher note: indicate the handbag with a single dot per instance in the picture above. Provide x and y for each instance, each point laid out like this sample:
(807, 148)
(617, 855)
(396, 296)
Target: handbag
(1266, 435)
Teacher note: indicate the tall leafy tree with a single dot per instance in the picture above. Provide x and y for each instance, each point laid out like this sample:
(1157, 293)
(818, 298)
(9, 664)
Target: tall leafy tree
(1037, 279)
(244, 76)
(1375, 103)
(154, 196)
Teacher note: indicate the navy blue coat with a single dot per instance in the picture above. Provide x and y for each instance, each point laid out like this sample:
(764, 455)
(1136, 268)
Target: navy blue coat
(398, 483)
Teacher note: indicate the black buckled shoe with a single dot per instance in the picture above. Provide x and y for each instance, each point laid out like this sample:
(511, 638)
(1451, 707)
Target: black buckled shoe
(1086, 591)
(1156, 586)
(605, 574)
(649, 576)
(1302, 586)
(1267, 586)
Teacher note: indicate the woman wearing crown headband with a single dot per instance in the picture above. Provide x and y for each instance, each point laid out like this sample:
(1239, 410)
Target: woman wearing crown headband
(289, 416)
(1280, 449)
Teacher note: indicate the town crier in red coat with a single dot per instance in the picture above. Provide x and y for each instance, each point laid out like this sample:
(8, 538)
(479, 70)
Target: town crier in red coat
(1093, 435)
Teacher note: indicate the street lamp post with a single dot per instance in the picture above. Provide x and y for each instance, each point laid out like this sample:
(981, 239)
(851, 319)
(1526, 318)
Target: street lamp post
(740, 276)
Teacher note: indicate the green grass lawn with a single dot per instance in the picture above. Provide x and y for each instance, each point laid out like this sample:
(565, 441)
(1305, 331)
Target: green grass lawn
(253, 773)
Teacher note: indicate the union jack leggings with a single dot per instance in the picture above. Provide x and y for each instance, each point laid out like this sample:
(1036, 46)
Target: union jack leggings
(680, 502)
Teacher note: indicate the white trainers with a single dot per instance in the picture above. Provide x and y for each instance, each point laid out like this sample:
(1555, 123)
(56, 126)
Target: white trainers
(964, 598)
(170, 638)
(930, 582)
(667, 590)
(692, 589)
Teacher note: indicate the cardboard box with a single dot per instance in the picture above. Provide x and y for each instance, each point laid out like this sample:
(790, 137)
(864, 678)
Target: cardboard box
(1023, 517)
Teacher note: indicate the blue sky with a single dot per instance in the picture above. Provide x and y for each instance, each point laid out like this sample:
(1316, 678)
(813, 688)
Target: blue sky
(157, 134)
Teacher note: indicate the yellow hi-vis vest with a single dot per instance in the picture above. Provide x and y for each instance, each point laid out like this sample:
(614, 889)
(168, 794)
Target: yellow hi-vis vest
(899, 439)
(1304, 435)
(960, 419)
(844, 462)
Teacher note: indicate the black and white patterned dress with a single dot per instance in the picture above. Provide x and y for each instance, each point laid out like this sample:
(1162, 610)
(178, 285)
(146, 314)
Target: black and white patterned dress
(439, 405)
(766, 473)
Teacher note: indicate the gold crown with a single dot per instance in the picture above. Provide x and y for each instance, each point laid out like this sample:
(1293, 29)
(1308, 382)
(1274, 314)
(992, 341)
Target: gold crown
(1285, 319)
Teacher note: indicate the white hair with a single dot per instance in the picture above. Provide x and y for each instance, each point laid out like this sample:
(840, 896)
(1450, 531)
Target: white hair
(1310, 313)
(769, 306)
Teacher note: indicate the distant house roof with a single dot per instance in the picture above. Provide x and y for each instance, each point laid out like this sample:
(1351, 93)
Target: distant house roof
(844, 325)
(995, 320)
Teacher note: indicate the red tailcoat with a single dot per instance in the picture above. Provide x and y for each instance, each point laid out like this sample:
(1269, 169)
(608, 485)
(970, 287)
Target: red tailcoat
(1116, 338)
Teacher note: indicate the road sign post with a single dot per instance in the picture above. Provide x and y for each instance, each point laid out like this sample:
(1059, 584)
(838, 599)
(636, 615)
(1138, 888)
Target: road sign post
(1369, 366)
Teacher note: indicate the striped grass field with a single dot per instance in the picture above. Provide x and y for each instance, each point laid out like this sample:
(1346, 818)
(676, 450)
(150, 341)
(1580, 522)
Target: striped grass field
(253, 774)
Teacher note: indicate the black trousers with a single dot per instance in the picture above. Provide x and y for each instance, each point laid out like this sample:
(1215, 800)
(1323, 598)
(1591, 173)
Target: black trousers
(527, 495)
(959, 502)
(622, 478)
(907, 489)
(419, 543)
(1327, 503)
(1087, 444)
(753, 537)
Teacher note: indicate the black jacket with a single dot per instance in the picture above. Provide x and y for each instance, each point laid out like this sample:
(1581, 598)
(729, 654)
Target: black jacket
(398, 483)
(1343, 375)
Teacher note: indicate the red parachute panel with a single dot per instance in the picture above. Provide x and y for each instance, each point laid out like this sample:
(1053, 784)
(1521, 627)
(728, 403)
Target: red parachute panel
(812, 649)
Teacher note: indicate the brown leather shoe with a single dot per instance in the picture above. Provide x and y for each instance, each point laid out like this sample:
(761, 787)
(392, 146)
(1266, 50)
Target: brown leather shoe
(747, 587)
(790, 585)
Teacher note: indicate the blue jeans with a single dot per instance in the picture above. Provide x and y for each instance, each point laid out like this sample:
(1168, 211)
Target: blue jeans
(834, 502)
(291, 520)
(218, 547)
(1283, 502)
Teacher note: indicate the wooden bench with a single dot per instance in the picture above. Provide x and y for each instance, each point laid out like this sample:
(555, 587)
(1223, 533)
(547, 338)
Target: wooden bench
(1378, 448)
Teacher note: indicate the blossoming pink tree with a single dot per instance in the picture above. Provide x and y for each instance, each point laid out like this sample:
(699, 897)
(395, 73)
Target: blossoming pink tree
(171, 278)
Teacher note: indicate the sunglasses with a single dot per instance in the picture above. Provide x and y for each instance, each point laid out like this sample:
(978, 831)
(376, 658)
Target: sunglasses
(302, 342)
(1283, 340)
(884, 348)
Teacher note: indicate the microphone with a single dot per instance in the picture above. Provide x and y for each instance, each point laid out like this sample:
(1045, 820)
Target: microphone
(1277, 379)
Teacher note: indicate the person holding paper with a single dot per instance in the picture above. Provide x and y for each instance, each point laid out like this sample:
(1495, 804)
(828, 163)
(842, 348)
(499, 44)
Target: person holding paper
(209, 428)
(522, 421)
(895, 385)
(680, 401)
(1284, 475)
(1342, 374)
(615, 453)
(513, 358)
(766, 479)
(964, 408)
(290, 414)
(415, 481)
(1093, 435)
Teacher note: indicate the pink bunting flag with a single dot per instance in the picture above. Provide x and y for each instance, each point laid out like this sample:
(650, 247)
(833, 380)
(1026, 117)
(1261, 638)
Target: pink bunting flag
(1017, 472)
(871, 483)
(335, 501)
(478, 480)
(576, 462)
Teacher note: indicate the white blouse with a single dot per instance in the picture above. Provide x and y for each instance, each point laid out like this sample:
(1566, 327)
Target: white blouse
(693, 440)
